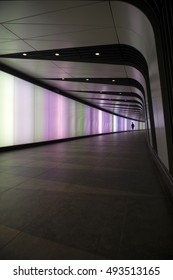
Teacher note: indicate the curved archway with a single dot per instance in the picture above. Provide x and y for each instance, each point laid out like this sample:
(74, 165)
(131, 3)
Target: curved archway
(90, 23)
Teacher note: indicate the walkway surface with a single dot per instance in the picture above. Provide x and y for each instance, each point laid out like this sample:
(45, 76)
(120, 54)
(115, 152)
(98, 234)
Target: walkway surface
(93, 198)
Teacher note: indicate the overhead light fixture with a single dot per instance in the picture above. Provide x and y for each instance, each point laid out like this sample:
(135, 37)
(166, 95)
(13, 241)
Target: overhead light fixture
(97, 53)
(113, 80)
(120, 92)
(87, 79)
(57, 54)
(24, 54)
(63, 78)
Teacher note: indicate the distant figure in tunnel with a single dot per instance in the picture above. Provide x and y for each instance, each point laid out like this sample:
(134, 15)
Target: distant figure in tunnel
(132, 126)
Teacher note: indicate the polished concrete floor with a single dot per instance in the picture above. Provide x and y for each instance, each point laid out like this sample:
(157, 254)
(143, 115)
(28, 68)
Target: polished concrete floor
(93, 198)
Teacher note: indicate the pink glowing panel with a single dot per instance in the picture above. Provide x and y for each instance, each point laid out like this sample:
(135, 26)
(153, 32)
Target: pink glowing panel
(6, 109)
(53, 116)
(41, 114)
(62, 118)
(100, 121)
(65, 121)
(105, 122)
(46, 110)
(124, 124)
(121, 124)
(93, 122)
(114, 123)
(23, 112)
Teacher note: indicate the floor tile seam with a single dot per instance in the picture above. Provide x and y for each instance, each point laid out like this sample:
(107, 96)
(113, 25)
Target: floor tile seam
(109, 193)
(123, 226)
(13, 187)
(33, 176)
(100, 236)
(24, 165)
(22, 230)
(62, 244)
(11, 240)
(36, 218)
(116, 169)
(12, 173)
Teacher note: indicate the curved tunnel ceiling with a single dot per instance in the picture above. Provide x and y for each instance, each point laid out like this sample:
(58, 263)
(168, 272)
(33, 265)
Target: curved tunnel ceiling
(91, 50)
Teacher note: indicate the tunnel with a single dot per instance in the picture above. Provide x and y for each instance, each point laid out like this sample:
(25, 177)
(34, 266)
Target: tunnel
(86, 129)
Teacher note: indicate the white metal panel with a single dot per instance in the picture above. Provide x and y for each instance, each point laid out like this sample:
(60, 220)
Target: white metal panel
(15, 10)
(75, 39)
(133, 27)
(80, 13)
(46, 31)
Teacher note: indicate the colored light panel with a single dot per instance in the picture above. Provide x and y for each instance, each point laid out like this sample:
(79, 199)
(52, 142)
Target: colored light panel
(100, 121)
(23, 112)
(79, 119)
(41, 114)
(29, 113)
(6, 109)
(53, 116)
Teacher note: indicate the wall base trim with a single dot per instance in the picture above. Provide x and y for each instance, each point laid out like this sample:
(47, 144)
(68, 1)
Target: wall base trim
(37, 144)
(164, 174)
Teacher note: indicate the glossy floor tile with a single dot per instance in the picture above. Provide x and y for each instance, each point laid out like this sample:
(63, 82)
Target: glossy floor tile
(92, 198)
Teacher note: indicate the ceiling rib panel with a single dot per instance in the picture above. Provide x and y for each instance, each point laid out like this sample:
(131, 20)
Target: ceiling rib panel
(77, 31)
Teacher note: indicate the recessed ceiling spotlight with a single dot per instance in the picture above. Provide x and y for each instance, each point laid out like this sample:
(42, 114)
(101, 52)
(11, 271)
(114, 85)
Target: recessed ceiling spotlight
(87, 79)
(24, 54)
(97, 53)
(57, 54)
(113, 80)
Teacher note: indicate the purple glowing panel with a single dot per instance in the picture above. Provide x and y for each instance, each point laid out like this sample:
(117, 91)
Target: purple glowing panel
(86, 120)
(53, 116)
(65, 118)
(23, 112)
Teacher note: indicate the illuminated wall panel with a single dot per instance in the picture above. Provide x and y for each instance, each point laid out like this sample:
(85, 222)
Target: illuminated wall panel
(41, 114)
(6, 109)
(71, 118)
(29, 113)
(23, 112)
(94, 121)
(87, 123)
(64, 121)
(54, 117)
(79, 118)
(100, 121)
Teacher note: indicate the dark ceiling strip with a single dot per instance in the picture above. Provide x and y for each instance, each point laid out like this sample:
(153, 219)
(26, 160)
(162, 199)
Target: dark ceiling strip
(121, 105)
(37, 82)
(109, 54)
(108, 81)
(114, 93)
(117, 100)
